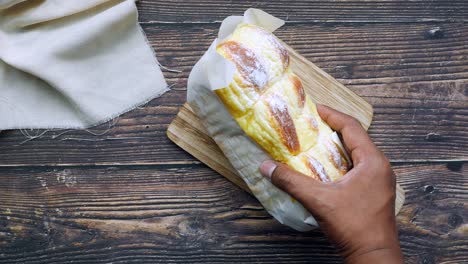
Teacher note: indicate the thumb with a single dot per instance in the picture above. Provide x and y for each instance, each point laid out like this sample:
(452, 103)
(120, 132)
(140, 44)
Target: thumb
(303, 188)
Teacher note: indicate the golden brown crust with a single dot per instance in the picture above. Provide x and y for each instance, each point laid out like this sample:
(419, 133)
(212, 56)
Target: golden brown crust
(285, 124)
(297, 84)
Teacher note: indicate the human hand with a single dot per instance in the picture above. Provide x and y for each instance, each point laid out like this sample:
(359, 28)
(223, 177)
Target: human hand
(356, 212)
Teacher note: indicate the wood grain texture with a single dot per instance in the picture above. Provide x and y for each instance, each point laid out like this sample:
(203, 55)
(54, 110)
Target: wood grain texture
(196, 11)
(417, 85)
(190, 214)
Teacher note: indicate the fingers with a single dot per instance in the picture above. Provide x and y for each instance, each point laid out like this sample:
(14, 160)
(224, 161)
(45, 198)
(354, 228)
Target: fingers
(355, 138)
(301, 187)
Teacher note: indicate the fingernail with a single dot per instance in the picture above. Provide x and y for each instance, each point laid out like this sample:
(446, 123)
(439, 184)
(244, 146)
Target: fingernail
(267, 168)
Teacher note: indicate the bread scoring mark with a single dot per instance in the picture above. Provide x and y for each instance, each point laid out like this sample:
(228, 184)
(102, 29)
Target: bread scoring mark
(285, 124)
(299, 89)
(336, 157)
(248, 63)
(317, 169)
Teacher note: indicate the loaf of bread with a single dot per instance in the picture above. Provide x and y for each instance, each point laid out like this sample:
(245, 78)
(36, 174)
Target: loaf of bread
(269, 103)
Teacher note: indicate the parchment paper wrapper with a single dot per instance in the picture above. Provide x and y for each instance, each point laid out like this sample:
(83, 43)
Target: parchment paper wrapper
(213, 72)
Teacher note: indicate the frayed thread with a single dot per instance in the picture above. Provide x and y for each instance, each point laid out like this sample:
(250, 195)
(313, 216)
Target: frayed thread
(31, 137)
(41, 134)
(169, 69)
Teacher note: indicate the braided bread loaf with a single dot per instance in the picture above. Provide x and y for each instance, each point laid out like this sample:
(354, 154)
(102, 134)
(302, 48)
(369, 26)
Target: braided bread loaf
(269, 103)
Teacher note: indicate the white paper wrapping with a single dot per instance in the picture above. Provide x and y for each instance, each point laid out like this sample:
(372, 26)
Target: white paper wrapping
(213, 72)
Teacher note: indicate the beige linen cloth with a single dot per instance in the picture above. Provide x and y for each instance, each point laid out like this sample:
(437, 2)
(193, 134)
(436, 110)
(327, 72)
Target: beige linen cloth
(73, 63)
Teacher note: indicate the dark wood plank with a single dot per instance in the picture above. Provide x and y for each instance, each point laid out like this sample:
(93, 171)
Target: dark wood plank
(417, 85)
(305, 10)
(189, 214)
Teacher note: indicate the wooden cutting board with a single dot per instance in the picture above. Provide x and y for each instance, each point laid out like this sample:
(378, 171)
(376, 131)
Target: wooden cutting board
(187, 131)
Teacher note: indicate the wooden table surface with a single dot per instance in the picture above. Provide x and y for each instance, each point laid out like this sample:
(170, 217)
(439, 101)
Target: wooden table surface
(125, 194)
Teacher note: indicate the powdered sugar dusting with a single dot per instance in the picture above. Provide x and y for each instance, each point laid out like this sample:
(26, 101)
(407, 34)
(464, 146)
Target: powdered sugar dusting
(317, 169)
(248, 63)
(274, 42)
(312, 122)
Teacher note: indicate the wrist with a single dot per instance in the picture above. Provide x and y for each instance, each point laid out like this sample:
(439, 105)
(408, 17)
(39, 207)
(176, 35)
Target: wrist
(379, 255)
(376, 245)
